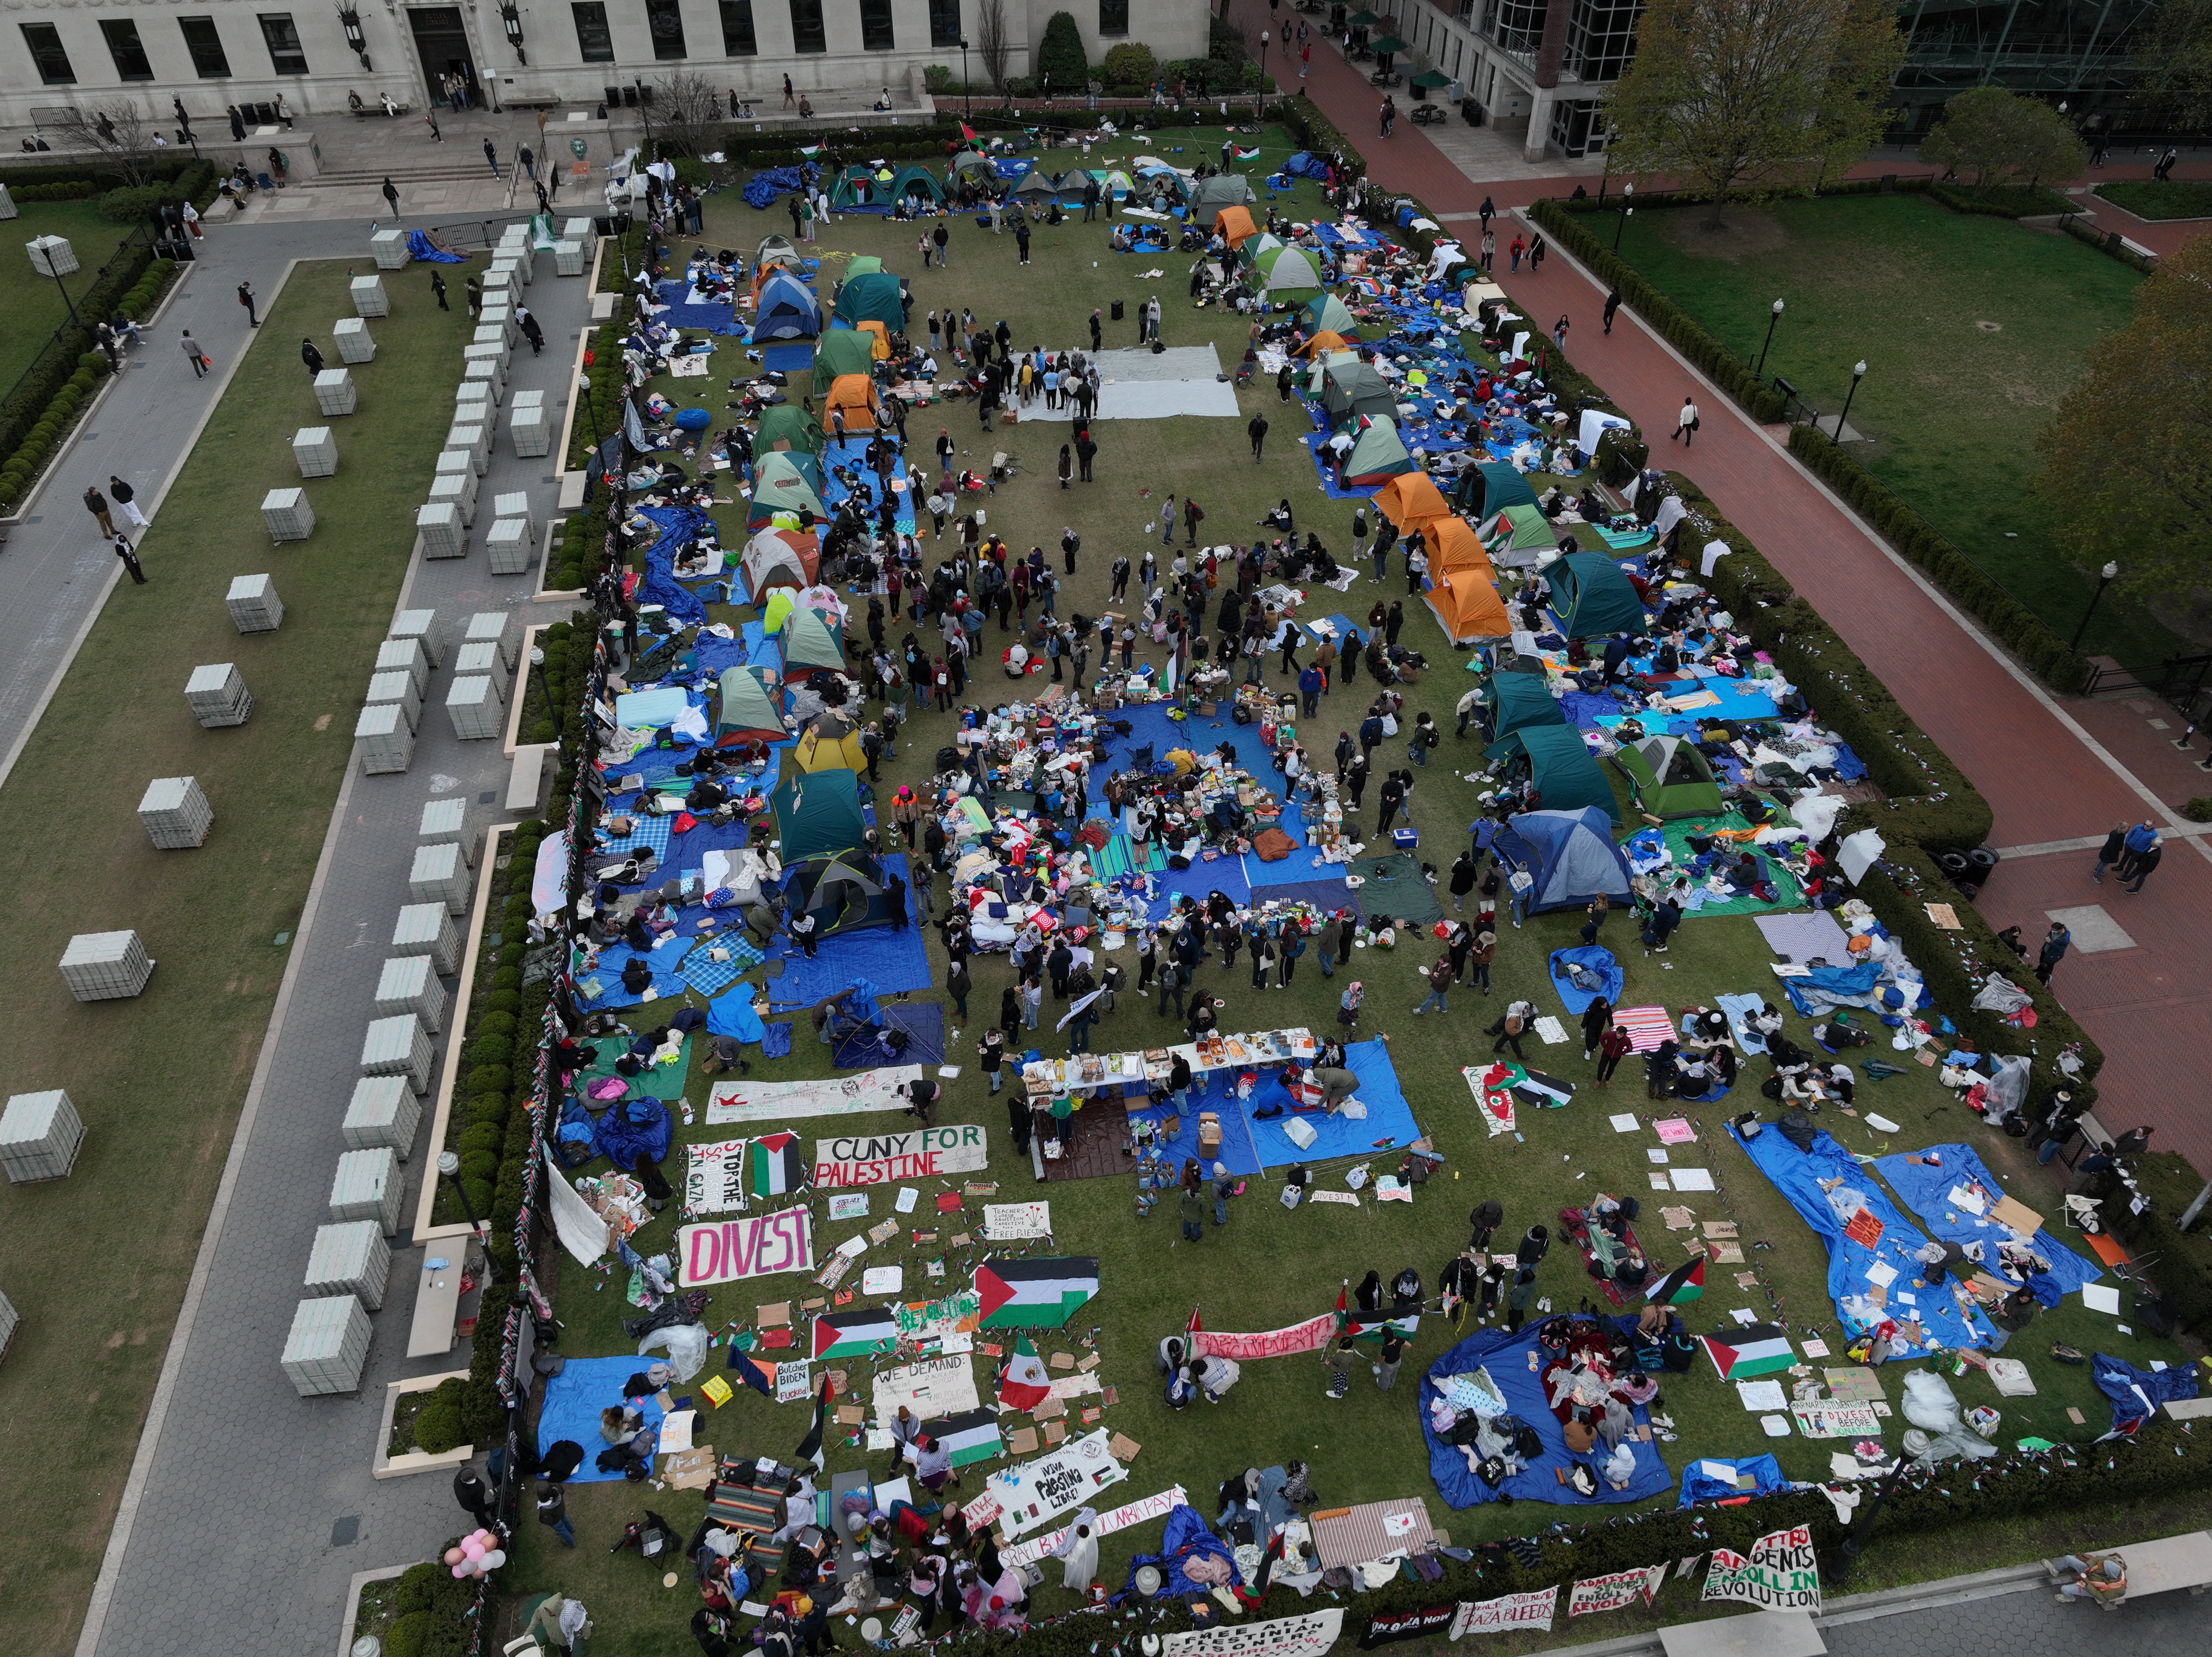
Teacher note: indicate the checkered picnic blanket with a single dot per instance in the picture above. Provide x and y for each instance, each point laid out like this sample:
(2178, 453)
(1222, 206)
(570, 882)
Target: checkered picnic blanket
(709, 976)
(649, 833)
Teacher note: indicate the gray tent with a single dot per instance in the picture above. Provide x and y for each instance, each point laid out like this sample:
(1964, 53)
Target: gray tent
(1036, 187)
(1209, 196)
(1351, 387)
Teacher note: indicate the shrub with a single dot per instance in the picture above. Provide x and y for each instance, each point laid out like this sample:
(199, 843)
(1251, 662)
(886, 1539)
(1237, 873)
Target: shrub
(1130, 64)
(488, 1109)
(412, 1592)
(1060, 54)
(490, 1050)
(2002, 201)
(490, 1079)
(439, 1425)
(129, 203)
(475, 1138)
(479, 1165)
(406, 1635)
(937, 77)
(2198, 810)
(503, 1000)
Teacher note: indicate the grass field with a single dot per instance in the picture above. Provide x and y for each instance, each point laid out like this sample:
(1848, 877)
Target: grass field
(1972, 328)
(35, 307)
(1271, 1267)
(2171, 199)
(159, 1080)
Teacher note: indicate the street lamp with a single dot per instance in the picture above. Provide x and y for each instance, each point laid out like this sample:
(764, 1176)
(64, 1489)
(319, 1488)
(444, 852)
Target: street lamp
(449, 1164)
(967, 108)
(2105, 578)
(1626, 213)
(1761, 371)
(1857, 373)
(591, 411)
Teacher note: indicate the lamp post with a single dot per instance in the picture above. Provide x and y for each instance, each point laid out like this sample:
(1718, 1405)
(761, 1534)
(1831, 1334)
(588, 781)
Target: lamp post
(2105, 578)
(591, 411)
(967, 107)
(449, 1164)
(1626, 213)
(1858, 373)
(1770, 321)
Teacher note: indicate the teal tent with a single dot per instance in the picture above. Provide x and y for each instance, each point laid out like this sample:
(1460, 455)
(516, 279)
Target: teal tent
(1520, 701)
(817, 814)
(1494, 486)
(1670, 777)
(810, 644)
(748, 706)
(1567, 777)
(1592, 597)
(872, 298)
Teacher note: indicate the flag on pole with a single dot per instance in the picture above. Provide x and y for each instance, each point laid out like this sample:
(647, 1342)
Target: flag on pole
(1680, 1286)
(1251, 154)
(810, 1447)
(1194, 1326)
(967, 132)
(810, 151)
(1023, 1384)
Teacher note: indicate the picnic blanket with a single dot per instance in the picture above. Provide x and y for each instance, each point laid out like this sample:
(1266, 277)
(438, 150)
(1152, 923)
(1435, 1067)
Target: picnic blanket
(1647, 1026)
(660, 1081)
(1740, 1009)
(1595, 958)
(1926, 1191)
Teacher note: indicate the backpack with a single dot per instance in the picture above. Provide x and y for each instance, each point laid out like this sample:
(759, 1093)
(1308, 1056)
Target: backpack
(1526, 1444)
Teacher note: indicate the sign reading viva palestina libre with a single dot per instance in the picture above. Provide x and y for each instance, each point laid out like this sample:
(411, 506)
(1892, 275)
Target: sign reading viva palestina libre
(864, 1159)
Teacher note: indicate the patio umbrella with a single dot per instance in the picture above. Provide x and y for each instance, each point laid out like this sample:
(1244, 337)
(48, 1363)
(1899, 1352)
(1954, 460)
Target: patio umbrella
(1389, 46)
(1363, 20)
(1430, 79)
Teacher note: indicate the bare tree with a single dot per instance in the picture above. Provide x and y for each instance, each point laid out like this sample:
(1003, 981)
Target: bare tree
(991, 42)
(119, 134)
(687, 111)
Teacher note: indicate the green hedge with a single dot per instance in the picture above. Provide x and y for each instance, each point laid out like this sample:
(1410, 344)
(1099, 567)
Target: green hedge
(2002, 201)
(2022, 631)
(2183, 1269)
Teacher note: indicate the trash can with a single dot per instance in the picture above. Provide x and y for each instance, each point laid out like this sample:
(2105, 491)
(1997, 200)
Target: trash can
(1117, 310)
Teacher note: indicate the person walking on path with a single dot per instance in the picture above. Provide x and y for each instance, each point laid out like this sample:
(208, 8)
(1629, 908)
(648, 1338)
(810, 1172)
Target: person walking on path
(1685, 424)
(1512, 1024)
(530, 329)
(1489, 249)
(553, 1513)
(1559, 332)
(491, 155)
(129, 554)
(789, 102)
(1257, 431)
(475, 1497)
(199, 358)
(1537, 249)
(1520, 247)
(2115, 847)
(1612, 305)
(1487, 212)
(96, 504)
(2139, 869)
(312, 357)
(2055, 943)
(125, 497)
(392, 196)
(246, 297)
(528, 162)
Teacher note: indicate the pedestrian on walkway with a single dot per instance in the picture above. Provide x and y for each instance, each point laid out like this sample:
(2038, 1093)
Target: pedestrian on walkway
(1612, 304)
(2139, 868)
(392, 196)
(789, 102)
(1685, 425)
(2115, 847)
(1257, 431)
(200, 361)
(1489, 249)
(1305, 59)
(1559, 332)
(124, 496)
(430, 119)
(1520, 247)
(475, 1497)
(96, 504)
(312, 357)
(528, 163)
(531, 330)
(2055, 943)
(1536, 252)
(246, 297)
(553, 1513)
(1487, 211)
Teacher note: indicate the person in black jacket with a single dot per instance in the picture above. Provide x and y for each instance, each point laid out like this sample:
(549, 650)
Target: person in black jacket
(312, 357)
(1487, 1216)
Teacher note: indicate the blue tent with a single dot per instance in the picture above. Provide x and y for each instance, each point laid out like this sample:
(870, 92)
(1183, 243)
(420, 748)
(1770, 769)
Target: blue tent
(1572, 855)
(1305, 165)
(787, 310)
(1700, 1485)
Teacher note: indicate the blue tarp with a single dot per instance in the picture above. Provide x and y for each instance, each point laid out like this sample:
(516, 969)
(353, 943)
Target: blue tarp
(662, 963)
(765, 185)
(1825, 987)
(2136, 1393)
(1599, 959)
(1237, 1153)
(1925, 1190)
(678, 526)
(1504, 1354)
(1797, 1174)
(1187, 1537)
(420, 246)
(1699, 1486)
(923, 1022)
(1388, 1116)
(634, 1125)
(731, 1014)
(574, 1398)
(1303, 165)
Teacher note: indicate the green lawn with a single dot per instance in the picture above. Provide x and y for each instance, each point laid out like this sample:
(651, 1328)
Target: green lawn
(36, 308)
(159, 1080)
(1271, 1267)
(1972, 328)
(2171, 199)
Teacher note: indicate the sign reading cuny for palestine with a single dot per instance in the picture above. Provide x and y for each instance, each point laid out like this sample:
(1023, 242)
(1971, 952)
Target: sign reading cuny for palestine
(864, 1159)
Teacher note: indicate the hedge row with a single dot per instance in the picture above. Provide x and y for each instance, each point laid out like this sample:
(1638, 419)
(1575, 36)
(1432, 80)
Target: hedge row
(2022, 631)
(2183, 1266)
(2081, 230)
(2004, 201)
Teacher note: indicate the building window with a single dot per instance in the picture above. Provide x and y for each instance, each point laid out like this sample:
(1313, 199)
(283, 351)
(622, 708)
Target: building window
(1601, 38)
(205, 46)
(738, 40)
(1516, 25)
(129, 52)
(945, 23)
(595, 41)
(1113, 16)
(286, 56)
(876, 31)
(664, 18)
(807, 32)
(45, 42)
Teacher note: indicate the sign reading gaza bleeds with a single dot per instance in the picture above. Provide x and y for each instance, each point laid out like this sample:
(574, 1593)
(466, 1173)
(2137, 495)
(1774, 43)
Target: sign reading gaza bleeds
(866, 1159)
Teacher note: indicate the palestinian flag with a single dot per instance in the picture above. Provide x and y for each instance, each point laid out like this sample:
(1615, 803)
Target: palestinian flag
(810, 151)
(967, 132)
(1251, 154)
(810, 1447)
(1680, 1286)
(1370, 1326)
(1023, 1384)
(1757, 1348)
(971, 1436)
(1041, 1294)
(854, 1334)
(779, 1164)
(760, 1376)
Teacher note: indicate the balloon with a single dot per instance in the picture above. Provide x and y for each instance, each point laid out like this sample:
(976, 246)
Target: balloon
(473, 1548)
(460, 1571)
(453, 1555)
(494, 1559)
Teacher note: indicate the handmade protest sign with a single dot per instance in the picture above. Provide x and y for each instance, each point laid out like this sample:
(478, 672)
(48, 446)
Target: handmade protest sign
(1035, 1492)
(1114, 1519)
(1781, 1572)
(1533, 1609)
(1618, 1592)
(1287, 1636)
(715, 1178)
(724, 1250)
(749, 1100)
(935, 1386)
(866, 1159)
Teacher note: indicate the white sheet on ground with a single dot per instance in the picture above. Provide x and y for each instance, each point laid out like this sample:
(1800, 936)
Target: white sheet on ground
(1142, 386)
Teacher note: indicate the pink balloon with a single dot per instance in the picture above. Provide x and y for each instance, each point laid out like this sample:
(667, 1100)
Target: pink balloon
(453, 1555)
(473, 1548)
(460, 1571)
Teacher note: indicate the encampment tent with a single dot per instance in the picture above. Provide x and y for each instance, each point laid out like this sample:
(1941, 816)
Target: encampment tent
(875, 295)
(853, 398)
(1306, 165)
(1515, 537)
(1519, 701)
(774, 251)
(1114, 181)
(1035, 187)
(831, 741)
(1209, 196)
(811, 645)
(879, 348)
(788, 426)
(1670, 777)
(749, 706)
(780, 484)
(818, 814)
(1569, 854)
(1494, 486)
(1288, 276)
(865, 264)
(842, 351)
(1411, 501)
(970, 160)
(1331, 312)
(1321, 344)
(1467, 603)
(1377, 455)
(1591, 596)
(841, 892)
(856, 186)
(1350, 387)
(1567, 777)
(918, 181)
(785, 309)
(777, 558)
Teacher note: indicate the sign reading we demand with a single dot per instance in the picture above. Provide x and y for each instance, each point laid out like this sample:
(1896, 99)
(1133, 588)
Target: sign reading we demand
(866, 1159)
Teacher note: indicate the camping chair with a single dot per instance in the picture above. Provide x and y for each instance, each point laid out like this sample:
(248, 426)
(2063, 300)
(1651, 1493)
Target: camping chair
(1140, 759)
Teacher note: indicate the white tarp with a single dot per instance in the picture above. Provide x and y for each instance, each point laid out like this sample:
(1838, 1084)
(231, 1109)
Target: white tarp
(581, 1232)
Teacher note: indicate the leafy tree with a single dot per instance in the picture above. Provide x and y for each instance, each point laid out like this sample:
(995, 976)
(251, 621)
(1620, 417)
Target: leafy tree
(2127, 474)
(1751, 97)
(2177, 88)
(1060, 54)
(2000, 136)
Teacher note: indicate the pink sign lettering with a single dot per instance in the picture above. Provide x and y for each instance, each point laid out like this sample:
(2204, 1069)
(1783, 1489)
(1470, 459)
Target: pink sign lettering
(1308, 1337)
(726, 1250)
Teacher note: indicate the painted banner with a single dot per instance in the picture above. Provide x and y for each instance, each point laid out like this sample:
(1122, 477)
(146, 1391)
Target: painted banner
(1781, 1573)
(793, 1382)
(1013, 1221)
(935, 1386)
(867, 1159)
(960, 1314)
(715, 1178)
(1388, 1627)
(1036, 1492)
(1287, 1636)
(1019, 1554)
(1533, 1609)
(1618, 1592)
(724, 1250)
(1308, 1337)
(746, 1101)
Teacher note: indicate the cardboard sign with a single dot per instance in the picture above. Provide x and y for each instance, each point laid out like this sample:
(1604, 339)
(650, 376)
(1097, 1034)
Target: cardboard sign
(1310, 1336)
(1836, 1420)
(726, 1251)
(1036, 1492)
(1533, 1609)
(715, 1178)
(792, 1384)
(1593, 1594)
(1014, 1222)
(873, 1159)
(1287, 1636)
(1781, 1572)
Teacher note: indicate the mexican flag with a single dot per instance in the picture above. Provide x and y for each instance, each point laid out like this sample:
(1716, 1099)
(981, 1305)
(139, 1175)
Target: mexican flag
(778, 1165)
(1039, 1294)
(1680, 1286)
(971, 1436)
(1757, 1349)
(1025, 1384)
(855, 1334)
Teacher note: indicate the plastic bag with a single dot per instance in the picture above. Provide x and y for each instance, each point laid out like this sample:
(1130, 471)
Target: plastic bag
(686, 1344)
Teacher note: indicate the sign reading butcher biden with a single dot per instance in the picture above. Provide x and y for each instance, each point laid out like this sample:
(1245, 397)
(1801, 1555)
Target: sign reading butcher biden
(864, 1159)
(1781, 1572)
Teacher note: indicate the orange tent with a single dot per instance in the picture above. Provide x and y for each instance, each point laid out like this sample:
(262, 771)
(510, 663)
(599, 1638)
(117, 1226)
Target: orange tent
(1467, 605)
(881, 350)
(853, 396)
(1323, 343)
(1454, 545)
(1236, 223)
(1410, 501)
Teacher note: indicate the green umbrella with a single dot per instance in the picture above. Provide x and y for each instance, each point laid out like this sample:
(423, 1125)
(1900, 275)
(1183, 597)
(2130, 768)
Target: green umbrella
(1430, 78)
(1363, 20)
(1388, 45)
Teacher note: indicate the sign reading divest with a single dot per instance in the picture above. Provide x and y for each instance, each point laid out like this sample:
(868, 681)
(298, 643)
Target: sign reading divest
(1781, 1572)
(726, 1250)
(1287, 1636)
(863, 1159)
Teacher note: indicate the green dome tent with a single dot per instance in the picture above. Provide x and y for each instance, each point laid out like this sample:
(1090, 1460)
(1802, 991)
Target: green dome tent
(1567, 778)
(863, 264)
(1330, 314)
(917, 181)
(842, 351)
(856, 186)
(811, 644)
(1112, 180)
(1670, 777)
(1035, 187)
(788, 426)
(1378, 454)
(1590, 597)
(1517, 535)
(971, 160)
(872, 298)
(1350, 387)
(1209, 196)
(1265, 242)
(1521, 701)
(749, 707)
(1288, 277)
(777, 250)
(817, 814)
(1495, 487)
(780, 484)
(841, 892)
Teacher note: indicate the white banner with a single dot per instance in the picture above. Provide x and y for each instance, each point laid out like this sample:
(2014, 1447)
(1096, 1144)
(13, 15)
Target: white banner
(1533, 1610)
(715, 1178)
(933, 1387)
(1013, 1222)
(724, 1250)
(793, 1381)
(1114, 1519)
(581, 1231)
(1618, 1592)
(747, 1101)
(1287, 1636)
(1781, 1573)
(1036, 1492)
(868, 1159)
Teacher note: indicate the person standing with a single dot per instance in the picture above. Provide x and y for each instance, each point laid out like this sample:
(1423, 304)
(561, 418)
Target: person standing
(1520, 1297)
(1022, 240)
(1098, 336)
(475, 1497)
(198, 358)
(1223, 1189)
(125, 497)
(553, 1513)
(2115, 847)
(1191, 1205)
(1440, 981)
(312, 357)
(528, 162)
(129, 554)
(1394, 1353)
(96, 504)
(1559, 332)
(943, 239)
(530, 329)
(1292, 946)
(1612, 305)
(1489, 248)
(247, 298)
(474, 289)
(2055, 943)
(1685, 424)
(1167, 521)
(1257, 431)
(2139, 868)
(491, 156)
